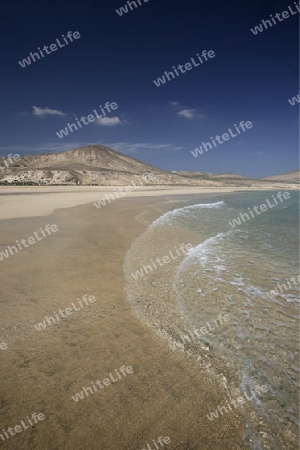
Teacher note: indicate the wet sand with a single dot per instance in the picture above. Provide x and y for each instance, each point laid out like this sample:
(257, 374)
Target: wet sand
(166, 395)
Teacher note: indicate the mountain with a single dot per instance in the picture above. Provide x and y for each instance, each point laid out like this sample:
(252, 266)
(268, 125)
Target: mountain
(91, 165)
(291, 177)
(199, 175)
(103, 166)
(231, 176)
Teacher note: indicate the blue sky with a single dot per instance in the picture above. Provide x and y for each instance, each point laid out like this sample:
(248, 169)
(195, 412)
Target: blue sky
(117, 58)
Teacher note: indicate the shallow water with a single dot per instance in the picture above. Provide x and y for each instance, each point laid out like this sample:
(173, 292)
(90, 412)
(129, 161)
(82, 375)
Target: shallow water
(231, 271)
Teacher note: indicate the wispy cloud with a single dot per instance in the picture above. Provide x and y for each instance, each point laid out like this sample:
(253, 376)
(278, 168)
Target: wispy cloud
(238, 152)
(243, 152)
(39, 148)
(36, 111)
(185, 112)
(135, 147)
(108, 121)
(50, 147)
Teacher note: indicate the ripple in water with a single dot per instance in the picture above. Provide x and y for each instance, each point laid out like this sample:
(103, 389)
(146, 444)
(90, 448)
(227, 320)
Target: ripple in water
(231, 272)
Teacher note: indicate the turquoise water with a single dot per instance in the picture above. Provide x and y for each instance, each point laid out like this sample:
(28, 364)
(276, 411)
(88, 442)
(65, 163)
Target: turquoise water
(232, 270)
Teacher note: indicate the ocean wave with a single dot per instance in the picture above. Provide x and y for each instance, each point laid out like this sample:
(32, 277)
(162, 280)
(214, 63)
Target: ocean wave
(229, 272)
(207, 247)
(179, 212)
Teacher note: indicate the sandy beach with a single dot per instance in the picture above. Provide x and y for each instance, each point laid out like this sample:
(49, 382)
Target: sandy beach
(43, 200)
(149, 226)
(165, 395)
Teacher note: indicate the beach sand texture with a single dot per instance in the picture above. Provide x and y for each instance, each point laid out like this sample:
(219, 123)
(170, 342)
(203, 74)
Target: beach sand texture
(166, 395)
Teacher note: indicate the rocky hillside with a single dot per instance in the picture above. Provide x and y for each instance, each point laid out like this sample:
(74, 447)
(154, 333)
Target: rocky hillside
(91, 165)
(103, 166)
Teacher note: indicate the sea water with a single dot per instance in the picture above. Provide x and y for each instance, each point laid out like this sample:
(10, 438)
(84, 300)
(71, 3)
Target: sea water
(233, 271)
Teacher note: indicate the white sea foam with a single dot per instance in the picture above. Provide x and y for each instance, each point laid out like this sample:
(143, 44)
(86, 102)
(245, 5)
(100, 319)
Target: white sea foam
(178, 212)
(232, 271)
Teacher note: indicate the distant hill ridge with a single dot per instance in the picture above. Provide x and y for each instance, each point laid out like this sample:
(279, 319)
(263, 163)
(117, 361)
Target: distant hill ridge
(292, 176)
(100, 165)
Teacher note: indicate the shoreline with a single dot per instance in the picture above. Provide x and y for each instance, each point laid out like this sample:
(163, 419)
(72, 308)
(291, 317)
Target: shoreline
(26, 201)
(46, 368)
(157, 297)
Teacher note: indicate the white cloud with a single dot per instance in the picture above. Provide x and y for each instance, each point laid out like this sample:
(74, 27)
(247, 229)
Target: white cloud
(46, 111)
(185, 112)
(108, 121)
(191, 114)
